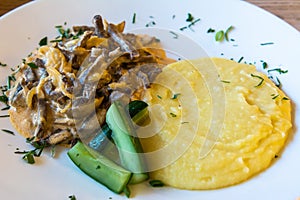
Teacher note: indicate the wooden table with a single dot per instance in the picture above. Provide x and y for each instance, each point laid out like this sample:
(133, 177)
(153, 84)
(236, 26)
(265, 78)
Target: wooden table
(288, 10)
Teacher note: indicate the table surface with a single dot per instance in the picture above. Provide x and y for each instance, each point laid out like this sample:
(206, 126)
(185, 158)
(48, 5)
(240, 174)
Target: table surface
(288, 10)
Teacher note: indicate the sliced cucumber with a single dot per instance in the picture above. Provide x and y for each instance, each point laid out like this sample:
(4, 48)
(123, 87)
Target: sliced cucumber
(100, 168)
(125, 138)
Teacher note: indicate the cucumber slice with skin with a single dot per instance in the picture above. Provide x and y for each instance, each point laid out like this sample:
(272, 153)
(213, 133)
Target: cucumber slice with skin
(124, 136)
(99, 167)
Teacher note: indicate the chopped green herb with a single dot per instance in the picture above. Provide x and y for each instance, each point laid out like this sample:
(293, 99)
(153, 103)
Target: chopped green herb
(5, 108)
(173, 17)
(159, 96)
(227, 31)
(184, 122)
(265, 65)
(43, 41)
(285, 98)
(173, 115)
(36, 152)
(156, 183)
(225, 81)
(4, 99)
(134, 18)
(3, 116)
(8, 131)
(151, 23)
(127, 191)
(32, 65)
(72, 197)
(190, 18)
(219, 37)
(3, 64)
(261, 80)
(175, 96)
(267, 43)
(275, 96)
(175, 35)
(210, 30)
(240, 60)
(279, 70)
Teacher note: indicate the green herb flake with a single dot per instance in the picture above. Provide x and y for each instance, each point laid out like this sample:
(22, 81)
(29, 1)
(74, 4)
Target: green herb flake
(175, 96)
(184, 122)
(3, 64)
(240, 60)
(266, 43)
(32, 65)
(5, 108)
(127, 191)
(158, 96)
(4, 99)
(43, 41)
(227, 31)
(264, 65)
(285, 98)
(219, 37)
(210, 30)
(275, 96)
(175, 35)
(156, 183)
(4, 116)
(279, 70)
(134, 18)
(72, 197)
(223, 81)
(8, 131)
(260, 78)
(173, 115)
(190, 18)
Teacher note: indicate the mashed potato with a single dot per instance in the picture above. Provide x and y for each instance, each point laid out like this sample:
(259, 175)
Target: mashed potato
(255, 122)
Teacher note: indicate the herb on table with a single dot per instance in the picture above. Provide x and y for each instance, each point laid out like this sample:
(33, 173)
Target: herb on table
(192, 21)
(3, 64)
(175, 35)
(8, 131)
(210, 30)
(264, 65)
(266, 43)
(219, 37)
(72, 197)
(28, 156)
(4, 116)
(134, 18)
(240, 60)
(227, 31)
(279, 70)
(4, 99)
(156, 183)
(260, 78)
(43, 41)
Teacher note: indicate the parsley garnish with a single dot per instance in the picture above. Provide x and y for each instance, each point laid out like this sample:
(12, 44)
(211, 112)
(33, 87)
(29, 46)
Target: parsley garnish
(43, 41)
(219, 37)
(223, 81)
(210, 30)
(134, 18)
(240, 60)
(190, 18)
(173, 115)
(279, 70)
(175, 96)
(227, 31)
(32, 65)
(266, 43)
(3, 116)
(4, 98)
(8, 131)
(36, 152)
(175, 35)
(72, 197)
(261, 79)
(158, 96)
(3, 64)
(156, 183)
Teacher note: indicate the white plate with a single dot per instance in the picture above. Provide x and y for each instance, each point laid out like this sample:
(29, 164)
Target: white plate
(57, 178)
